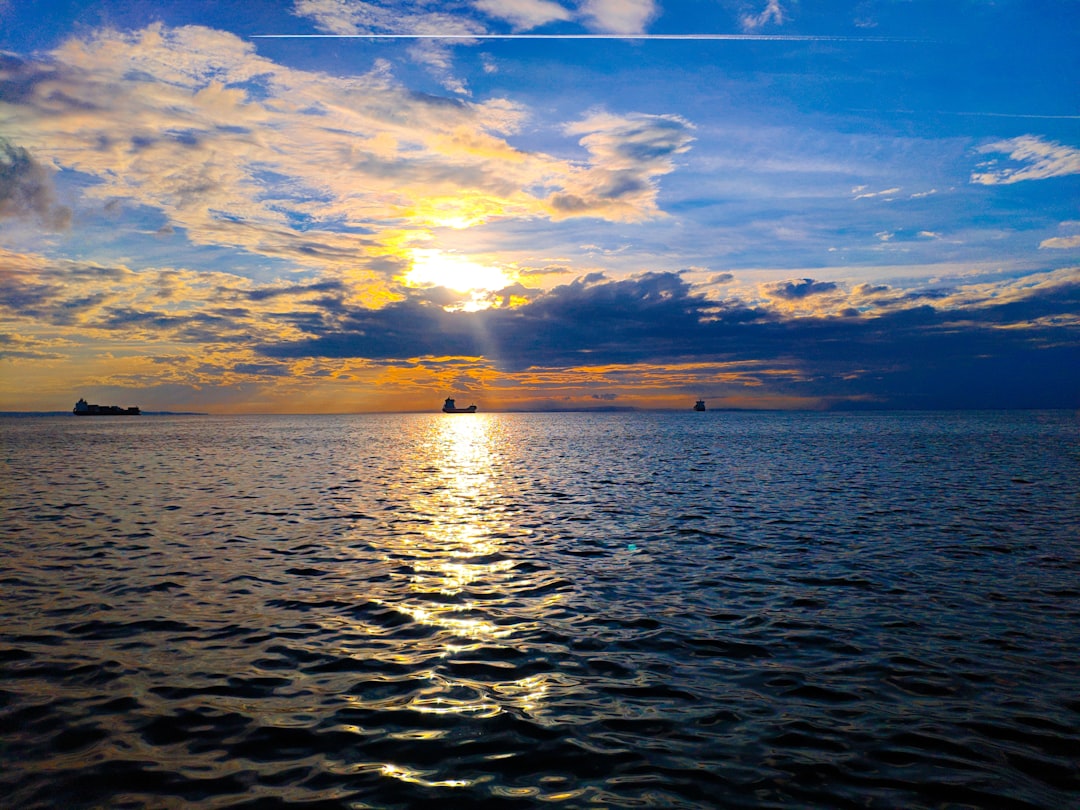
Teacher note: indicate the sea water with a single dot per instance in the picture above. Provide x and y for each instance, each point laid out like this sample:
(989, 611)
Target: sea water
(570, 610)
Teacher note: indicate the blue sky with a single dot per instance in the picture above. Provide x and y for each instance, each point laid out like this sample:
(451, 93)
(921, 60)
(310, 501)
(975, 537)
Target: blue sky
(248, 207)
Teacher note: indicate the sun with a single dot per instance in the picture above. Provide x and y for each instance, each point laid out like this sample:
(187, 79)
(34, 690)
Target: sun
(439, 269)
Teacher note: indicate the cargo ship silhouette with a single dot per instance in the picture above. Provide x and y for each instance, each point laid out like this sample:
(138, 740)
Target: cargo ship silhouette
(448, 407)
(84, 408)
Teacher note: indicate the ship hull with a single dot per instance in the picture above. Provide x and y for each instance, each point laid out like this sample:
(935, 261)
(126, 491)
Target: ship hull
(84, 408)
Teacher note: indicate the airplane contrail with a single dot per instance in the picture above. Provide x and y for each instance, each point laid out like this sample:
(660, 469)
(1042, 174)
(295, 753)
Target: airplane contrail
(971, 113)
(1013, 115)
(691, 37)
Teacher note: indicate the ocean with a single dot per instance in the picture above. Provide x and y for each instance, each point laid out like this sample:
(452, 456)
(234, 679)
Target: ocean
(720, 609)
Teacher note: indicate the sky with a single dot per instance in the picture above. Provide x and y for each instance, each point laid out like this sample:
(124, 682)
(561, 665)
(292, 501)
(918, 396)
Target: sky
(341, 206)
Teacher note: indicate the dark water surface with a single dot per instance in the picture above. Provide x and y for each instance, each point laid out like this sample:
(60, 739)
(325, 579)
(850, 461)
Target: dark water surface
(574, 610)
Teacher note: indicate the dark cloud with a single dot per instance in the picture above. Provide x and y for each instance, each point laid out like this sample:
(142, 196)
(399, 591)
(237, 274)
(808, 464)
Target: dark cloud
(622, 184)
(26, 189)
(262, 369)
(654, 316)
(916, 357)
(570, 203)
(800, 288)
(19, 78)
(264, 293)
(15, 347)
(21, 296)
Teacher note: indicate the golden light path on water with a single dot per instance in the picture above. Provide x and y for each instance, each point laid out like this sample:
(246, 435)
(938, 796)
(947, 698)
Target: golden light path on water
(460, 549)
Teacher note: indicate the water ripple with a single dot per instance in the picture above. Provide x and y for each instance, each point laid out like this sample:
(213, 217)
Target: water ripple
(672, 610)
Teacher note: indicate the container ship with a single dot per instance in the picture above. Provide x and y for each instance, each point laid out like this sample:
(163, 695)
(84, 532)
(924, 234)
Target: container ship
(449, 407)
(84, 408)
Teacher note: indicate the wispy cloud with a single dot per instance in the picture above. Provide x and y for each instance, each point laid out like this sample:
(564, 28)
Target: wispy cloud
(1069, 238)
(1038, 159)
(357, 17)
(626, 156)
(772, 13)
(887, 193)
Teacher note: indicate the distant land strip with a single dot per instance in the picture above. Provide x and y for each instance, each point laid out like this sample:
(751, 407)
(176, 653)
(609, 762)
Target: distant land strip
(68, 413)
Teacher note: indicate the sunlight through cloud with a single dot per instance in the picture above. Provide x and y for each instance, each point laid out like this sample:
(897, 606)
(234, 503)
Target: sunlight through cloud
(435, 268)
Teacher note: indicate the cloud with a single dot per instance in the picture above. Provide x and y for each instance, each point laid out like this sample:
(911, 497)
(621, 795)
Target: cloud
(26, 189)
(524, 14)
(806, 340)
(1039, 159)
(1061, 242)
(18, 347)
(321, 171)
(772, 13)
(626, 156)
(618, 16)
(866, 195)
(356, 18)
(799, 288)
(353, 17)
(909, 353)
(91, 301)
(1071, 239)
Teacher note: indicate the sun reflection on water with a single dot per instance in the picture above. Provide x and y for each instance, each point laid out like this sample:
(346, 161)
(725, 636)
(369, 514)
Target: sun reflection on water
(461, 546)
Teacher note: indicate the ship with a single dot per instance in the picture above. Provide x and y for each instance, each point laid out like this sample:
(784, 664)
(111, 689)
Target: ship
(449, 407)
(84, 408)
(699, 405)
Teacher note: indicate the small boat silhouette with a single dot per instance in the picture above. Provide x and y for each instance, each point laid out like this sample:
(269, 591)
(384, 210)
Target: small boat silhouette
(448, 407)
(699, 405)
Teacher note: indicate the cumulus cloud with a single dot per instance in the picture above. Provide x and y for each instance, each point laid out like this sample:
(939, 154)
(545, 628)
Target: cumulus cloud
(26, 189)
(524, 14)
(618, 16)
(798, 289)
(1038, 160)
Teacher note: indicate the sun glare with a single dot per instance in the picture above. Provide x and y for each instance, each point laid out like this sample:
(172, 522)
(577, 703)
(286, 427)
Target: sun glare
(436, 268)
